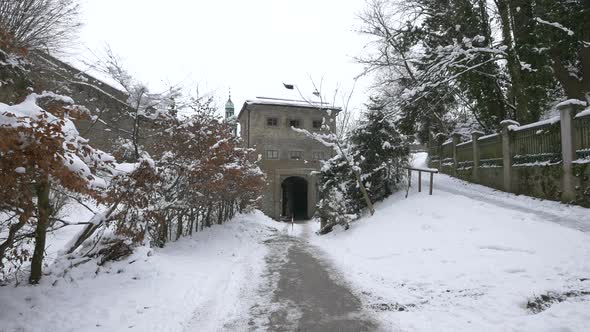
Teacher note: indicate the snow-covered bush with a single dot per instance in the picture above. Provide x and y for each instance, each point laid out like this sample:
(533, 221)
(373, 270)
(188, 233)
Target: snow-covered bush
(198, 176)
(41, 151)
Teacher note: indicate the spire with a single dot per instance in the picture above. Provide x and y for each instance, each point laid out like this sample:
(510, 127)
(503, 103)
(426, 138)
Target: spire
(229, 107)
(229, 114)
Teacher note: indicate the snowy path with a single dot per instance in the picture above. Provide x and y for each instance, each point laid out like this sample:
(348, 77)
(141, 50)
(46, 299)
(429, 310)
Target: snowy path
(569, 216)
(468, 258)
(305, 292)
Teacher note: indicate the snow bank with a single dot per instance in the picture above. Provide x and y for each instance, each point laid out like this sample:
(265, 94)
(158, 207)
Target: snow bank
(466, 261)
(195, 284)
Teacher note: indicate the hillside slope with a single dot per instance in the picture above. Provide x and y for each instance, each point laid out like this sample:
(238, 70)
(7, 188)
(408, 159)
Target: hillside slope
(470, 259)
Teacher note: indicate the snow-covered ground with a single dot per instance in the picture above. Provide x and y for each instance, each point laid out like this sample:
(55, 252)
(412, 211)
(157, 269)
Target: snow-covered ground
(467, 258)
(194, 284)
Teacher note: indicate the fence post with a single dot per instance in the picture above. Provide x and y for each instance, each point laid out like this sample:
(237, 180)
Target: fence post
(456, 140)
(440, 139)
(476, 155)
(568, 151)
(507, 153)
(430, 149)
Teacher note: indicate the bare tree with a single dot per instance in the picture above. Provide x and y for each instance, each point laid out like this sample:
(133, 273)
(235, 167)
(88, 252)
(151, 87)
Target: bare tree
(143, 104)
(39, 24)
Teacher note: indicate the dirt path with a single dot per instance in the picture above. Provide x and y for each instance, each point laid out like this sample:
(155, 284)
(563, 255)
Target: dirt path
(306, 294)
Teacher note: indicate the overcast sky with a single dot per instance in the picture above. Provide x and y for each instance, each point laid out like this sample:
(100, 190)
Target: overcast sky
(251, 46)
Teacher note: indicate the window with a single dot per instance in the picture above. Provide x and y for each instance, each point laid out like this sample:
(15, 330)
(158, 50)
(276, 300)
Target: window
(319, 155)
(317, 124)
(272, 122)
(295, 155)
(294, 123)
(272, 154)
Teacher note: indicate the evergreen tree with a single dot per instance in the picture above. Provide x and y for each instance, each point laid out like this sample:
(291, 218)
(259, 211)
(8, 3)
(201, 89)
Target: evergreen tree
(462, 62)
(381, 152)
(378, 152)
(338, 204)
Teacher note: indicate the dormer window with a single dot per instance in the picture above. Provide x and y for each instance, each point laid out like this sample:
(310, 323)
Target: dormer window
(294, 123)
(272, 122)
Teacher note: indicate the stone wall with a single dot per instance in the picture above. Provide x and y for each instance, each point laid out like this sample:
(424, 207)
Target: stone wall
(549, 159)
(46, 73)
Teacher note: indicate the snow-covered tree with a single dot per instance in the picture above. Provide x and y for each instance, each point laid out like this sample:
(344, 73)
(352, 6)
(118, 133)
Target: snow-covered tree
(41, 151)
(201, 176)
(339, 198)
(443, 63)
(39, 24)
(381, 151)
(144, 106)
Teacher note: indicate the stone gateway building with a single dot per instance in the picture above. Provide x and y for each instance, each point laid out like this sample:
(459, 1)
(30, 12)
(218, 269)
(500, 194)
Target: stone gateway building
(289, 158)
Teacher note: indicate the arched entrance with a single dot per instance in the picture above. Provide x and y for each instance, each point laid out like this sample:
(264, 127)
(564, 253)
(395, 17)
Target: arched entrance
(295, 197)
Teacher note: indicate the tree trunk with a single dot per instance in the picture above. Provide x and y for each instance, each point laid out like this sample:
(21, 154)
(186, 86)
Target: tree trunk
(517, 87)
(162, 232)
(135, 135)
(44, 211)
(208, 216)
(192, 218)
(220, 213)
(90, 229)
(364, 192)
(585, 53)
(571, 85)
(179, 226)
(22, 221)
(198, 212)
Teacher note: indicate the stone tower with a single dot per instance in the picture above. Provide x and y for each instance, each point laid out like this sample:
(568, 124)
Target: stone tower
(229, 114)
(290, 159)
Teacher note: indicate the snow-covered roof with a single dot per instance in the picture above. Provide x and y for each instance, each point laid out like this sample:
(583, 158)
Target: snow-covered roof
(290, 103)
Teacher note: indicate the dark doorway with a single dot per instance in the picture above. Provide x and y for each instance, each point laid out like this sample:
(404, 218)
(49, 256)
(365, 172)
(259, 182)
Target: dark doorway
(295, 197)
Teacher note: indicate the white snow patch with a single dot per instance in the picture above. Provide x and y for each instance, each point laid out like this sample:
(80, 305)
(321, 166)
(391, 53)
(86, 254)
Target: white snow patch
(585, 112)
(555, 25)
(467, 258)
(198, 284)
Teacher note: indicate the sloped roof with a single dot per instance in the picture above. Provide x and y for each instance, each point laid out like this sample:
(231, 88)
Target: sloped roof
(289, 103)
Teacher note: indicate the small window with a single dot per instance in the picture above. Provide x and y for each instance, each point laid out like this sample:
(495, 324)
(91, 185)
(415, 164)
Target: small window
(317, 124)
(294, 123)
(272, 122)
(295, 155)
(272, 154)
(319, 155)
